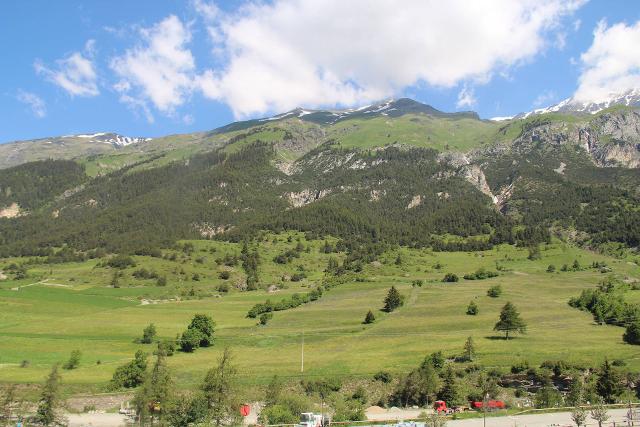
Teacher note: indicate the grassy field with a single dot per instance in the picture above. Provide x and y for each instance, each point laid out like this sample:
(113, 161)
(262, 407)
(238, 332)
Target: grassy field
(62, 307)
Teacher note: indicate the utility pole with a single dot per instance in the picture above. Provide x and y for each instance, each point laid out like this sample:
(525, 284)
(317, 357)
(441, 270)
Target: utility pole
(484, 409)
(302, 355)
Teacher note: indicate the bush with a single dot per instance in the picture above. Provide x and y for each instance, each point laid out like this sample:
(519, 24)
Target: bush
(148, 334)
(224, 275)
(551, 268)
(265, 317)
(632, 333)
(190, 340)
(472, 308)
(223, 288)
(121, 262)
(162, 281)
(131, 374)
(166, 347)
(383, 377)
(481, 274)
(495, 291)
(450, 278)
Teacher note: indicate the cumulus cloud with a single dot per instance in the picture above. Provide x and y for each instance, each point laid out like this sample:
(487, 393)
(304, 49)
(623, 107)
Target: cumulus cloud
(75, 73)
(286, 53)
(160, 68)
(611, 66)
(466, 97)
(36, 104)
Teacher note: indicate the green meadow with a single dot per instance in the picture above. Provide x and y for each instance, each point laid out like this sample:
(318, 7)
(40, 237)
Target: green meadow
(63, 307)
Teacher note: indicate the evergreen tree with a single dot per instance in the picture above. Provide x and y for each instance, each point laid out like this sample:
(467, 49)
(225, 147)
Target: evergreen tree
(74, 360)
(469, 350)
(510, 321)
(153, 399)
(393, 300)
(47, 412)
(450, 391)
(219, 388)
(274, 391)
(609, 383)
(575, 396)
(369, 318)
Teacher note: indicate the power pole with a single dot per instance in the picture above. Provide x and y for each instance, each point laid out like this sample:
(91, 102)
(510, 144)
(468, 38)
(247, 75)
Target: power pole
(302, 355)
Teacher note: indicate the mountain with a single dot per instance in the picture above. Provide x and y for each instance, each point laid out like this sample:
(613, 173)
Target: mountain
(398, 172)
(571, 105)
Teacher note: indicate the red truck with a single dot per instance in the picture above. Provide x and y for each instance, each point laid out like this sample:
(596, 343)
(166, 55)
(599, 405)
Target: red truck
(491, 405)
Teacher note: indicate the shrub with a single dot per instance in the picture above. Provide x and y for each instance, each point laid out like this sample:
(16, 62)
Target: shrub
(383, 377)
(162, 281)
(450, 278)
(265, 317)
(223, 288)
(148, 334)
(551, 268)
(481, 274)
(495, 291)
(130, 374)
(472, 308)
(224, 275)
(121, 262)
(190, 340)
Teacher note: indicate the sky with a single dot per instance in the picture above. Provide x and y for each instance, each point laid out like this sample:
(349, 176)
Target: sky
(157, 67)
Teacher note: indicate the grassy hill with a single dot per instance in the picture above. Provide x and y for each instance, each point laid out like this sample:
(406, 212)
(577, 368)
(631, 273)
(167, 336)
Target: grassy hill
(62, 307)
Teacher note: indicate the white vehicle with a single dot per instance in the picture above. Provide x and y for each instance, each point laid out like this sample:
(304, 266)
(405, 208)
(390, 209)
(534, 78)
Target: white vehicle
(309, 419)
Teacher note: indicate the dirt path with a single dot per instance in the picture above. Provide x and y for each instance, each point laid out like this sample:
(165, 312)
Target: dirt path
(96, 420)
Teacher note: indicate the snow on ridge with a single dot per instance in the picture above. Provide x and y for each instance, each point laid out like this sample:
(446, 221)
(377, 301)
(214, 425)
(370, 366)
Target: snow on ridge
(501, 118)
(90, 135)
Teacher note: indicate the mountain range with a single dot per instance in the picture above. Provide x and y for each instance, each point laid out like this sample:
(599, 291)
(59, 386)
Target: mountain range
(395, 172)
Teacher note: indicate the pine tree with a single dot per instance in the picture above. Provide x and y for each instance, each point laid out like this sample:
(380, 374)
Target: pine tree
(609, 383)
(510, 321)
(469, 350)
(369, 318)
(449, 392)
(49, 399)
(575, 396)
(219, 388)
(152, 400)
(393, 300)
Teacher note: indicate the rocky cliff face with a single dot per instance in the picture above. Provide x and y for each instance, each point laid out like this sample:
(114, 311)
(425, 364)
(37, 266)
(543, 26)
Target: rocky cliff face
(611, 139)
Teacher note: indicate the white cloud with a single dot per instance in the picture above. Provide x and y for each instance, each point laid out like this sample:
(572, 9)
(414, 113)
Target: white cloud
(160, 68)
(75, 73)
(612, 64)
(36, 104)
(287, 53)
(545, 98)
(466, 97)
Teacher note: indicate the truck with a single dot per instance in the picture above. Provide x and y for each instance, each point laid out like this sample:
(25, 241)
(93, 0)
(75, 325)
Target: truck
(309, 419)
(491, 405)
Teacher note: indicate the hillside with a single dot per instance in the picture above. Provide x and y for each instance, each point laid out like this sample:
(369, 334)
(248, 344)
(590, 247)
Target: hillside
(400, 172)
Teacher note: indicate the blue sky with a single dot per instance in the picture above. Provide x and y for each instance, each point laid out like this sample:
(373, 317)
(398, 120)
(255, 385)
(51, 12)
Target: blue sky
(150, 68)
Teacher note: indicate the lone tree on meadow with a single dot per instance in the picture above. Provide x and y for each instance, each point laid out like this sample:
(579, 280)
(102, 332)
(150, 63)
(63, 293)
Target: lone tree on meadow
(393, 300)
(510, 321)
(469, 350)
(369, 318)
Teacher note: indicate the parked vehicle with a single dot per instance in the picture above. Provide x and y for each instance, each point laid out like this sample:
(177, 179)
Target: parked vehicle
(491, 405)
